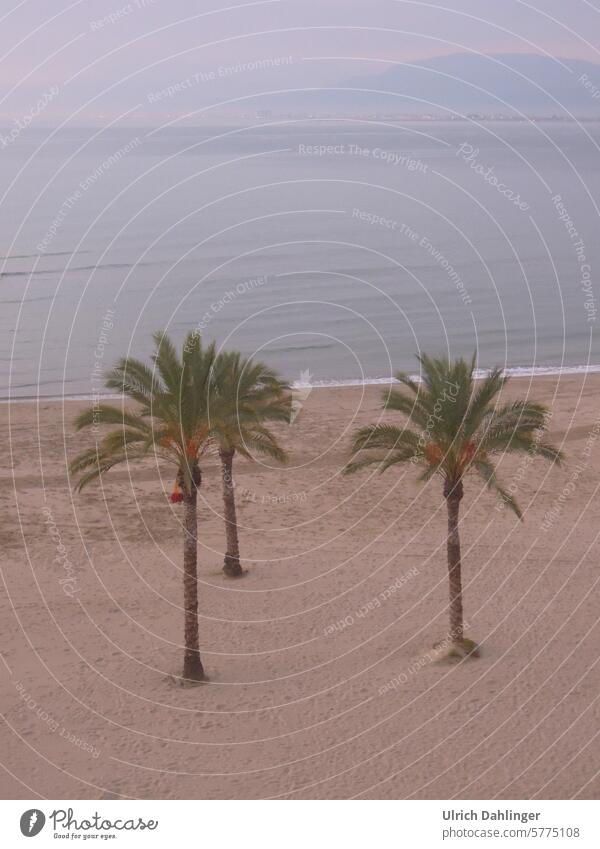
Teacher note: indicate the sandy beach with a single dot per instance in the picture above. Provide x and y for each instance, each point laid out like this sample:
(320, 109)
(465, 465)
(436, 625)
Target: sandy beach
(322, 683)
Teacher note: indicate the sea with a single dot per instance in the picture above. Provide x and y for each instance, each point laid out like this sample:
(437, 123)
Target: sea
(333, 250)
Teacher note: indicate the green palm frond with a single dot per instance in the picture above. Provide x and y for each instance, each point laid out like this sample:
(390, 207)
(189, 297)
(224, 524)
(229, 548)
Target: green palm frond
(381, 460)
(384, 436)
(488, 473)
(176, 398)
(93, 463)
(262, 442)
(457, 425)
(390, 444)
(412, 407)
(248, 394)
(518, 426)
(108, 414)
(550, 452)
(135, 379)
(168, 364)
(475, 401)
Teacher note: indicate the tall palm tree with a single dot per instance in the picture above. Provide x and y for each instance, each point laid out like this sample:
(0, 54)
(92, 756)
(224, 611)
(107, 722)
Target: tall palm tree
(175, 400)
(250, 394)
(458, 430)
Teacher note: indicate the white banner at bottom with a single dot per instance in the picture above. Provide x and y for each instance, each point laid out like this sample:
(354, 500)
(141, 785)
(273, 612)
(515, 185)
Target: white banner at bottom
(298, 824)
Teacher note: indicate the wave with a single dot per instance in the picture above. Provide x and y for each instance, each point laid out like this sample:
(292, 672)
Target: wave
(27, 300)
(513, 371)
(37, 256)
(288, 349)
(44, 272)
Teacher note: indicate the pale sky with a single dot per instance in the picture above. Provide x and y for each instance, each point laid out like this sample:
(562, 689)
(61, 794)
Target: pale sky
(109, 56)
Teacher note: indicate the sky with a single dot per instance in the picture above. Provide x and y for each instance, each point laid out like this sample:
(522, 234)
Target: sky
(111, 60)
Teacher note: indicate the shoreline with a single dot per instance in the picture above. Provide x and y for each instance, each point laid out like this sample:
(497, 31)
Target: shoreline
(517, 372)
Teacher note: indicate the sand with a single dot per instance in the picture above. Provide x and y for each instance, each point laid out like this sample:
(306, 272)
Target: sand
(322, 680)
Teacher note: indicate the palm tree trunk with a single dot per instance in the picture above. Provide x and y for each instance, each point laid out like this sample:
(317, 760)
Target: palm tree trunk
(232, 567)
(453, 493)
(192, 665)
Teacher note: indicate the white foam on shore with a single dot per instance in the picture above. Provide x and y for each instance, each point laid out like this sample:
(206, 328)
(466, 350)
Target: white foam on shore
(515, 371)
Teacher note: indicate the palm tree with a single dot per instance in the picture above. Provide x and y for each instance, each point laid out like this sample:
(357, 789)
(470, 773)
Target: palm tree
(250, 394)
(458, 430)
(175, 400)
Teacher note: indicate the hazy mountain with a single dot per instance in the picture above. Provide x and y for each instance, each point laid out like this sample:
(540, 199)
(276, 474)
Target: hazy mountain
(474, 83)
(461, 82)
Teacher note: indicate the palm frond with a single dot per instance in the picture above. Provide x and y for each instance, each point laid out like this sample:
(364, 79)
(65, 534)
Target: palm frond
(93, 463)
(488, 473)
(108, 414)
(135, 379)
(247, 394)
(375, 459)
(384, 446)
(257, 443)
(384, 436)
(172, 420)
(458, 425)
(412, 407)
(478, 405)
(167, 361)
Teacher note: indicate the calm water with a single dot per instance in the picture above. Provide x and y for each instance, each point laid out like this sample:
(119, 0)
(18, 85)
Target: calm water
(335, 250)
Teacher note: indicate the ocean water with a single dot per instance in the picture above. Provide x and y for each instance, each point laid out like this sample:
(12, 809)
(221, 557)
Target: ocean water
(334, 251)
